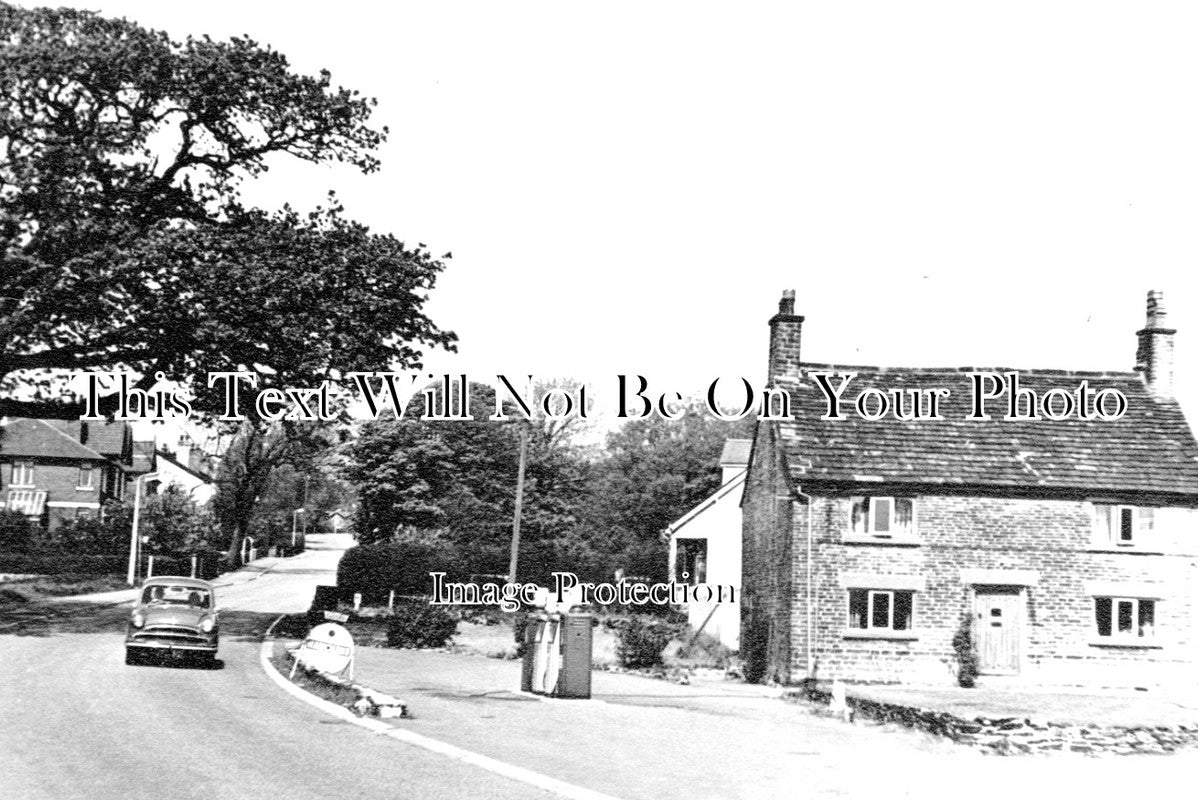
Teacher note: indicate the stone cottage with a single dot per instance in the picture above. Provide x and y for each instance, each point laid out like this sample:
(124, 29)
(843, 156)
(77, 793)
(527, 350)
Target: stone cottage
(1054, 526)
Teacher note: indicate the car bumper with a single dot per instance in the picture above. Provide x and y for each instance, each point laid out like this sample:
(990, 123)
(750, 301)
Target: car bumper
(169, 646)
(195, 643)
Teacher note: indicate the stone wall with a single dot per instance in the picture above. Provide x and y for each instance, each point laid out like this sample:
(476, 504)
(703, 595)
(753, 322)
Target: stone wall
(1017, 736)
(1049, 538)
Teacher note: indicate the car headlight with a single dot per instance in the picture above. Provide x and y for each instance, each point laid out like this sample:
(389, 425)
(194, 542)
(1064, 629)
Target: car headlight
(208, 624)
(138, 619)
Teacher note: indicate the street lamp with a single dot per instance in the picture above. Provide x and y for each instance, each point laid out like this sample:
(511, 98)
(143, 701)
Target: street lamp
(133, 540)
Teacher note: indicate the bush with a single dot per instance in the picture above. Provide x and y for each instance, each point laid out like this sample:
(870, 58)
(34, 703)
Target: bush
(16, 532)
(640, 643)
(421, 625)
(172, 565)
(90, 535)
(377, 569)
(967, 660)
(705, 650)
(520, 622)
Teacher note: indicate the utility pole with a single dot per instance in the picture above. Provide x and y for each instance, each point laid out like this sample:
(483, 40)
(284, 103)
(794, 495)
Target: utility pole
(519, 503)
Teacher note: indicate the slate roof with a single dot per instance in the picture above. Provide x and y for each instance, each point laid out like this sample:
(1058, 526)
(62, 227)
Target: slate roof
(143, 457)
(106, 438)
(37, 438)
(1149, 449)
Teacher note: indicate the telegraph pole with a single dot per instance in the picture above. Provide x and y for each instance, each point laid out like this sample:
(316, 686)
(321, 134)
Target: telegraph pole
(519, 503)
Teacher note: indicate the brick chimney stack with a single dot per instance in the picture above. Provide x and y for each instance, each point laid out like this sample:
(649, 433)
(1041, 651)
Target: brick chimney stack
(1154, 355)
(786, 329)
(183, 450)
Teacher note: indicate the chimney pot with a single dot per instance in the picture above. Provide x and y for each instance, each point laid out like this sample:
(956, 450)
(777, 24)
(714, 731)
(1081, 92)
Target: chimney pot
(787, 304)
(786, 330)
(1156, 309)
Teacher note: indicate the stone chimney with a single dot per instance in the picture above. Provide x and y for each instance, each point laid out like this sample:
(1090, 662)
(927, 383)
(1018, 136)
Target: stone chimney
(786, 330)
(1154, 354)
(183, 450)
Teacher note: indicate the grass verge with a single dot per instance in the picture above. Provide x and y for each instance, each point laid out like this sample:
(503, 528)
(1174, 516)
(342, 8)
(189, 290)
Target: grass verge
(37, 588)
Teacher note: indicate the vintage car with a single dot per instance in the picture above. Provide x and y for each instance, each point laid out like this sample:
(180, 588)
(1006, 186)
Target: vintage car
(173, 616)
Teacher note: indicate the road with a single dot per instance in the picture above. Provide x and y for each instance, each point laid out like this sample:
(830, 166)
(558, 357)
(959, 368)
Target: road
(76, 722)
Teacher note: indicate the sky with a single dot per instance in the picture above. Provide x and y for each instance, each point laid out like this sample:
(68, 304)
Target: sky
(627, 187)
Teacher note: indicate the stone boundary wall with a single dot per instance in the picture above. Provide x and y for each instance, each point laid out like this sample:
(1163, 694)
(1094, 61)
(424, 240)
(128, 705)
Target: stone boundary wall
(1016, 736)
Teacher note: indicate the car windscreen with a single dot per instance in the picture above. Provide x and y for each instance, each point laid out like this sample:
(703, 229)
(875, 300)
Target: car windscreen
(177, 595)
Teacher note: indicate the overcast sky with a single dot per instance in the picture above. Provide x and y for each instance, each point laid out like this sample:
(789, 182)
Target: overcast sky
(628, 187)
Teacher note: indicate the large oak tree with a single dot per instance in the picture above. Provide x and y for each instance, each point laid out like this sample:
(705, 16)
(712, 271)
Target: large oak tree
(124, 241)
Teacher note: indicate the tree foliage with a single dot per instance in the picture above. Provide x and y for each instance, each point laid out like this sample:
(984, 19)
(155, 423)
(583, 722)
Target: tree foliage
(124, 243)
(169, 520)
(581, 513)
(248, 465)
(653, 472)
(459, 477)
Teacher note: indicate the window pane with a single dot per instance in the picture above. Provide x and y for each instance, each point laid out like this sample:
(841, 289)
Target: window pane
(858, 600)
(880, 614)
(1144, 521)
(1125, 615)
(881, 506)
(1147, 617)
(1102, 613)
(1126, 524)
(902, 611)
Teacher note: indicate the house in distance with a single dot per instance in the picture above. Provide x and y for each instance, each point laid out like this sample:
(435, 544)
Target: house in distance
(1065, 548)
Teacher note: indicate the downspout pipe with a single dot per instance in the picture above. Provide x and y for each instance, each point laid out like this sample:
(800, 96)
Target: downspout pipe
(810, 612)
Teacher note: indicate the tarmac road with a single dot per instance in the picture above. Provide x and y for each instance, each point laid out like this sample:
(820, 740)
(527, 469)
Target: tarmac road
(76, 722)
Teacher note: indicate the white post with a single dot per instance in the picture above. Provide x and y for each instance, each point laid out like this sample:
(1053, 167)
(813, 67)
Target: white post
(150, 568)
(134, 541)
(133, 536)
(391, 601)
(193, 564)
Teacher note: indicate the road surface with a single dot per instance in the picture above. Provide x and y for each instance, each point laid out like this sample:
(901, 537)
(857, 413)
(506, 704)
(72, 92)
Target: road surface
(76, 722)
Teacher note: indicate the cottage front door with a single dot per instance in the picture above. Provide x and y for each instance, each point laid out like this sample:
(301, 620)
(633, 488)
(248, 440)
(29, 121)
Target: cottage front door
(997, 613)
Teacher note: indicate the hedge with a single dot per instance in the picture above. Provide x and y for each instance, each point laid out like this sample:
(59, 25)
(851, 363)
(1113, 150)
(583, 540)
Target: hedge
(210, 565)
(62, 564)
(375, 570)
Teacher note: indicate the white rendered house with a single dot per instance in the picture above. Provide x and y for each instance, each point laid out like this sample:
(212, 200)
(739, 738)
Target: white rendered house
(705, 547)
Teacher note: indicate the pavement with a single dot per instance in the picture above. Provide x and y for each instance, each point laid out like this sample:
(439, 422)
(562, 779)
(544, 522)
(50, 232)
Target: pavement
(641, 737)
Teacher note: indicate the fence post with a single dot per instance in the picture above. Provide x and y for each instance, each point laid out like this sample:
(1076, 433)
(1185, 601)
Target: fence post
(193, 565)
(391, 601)
(150, 568)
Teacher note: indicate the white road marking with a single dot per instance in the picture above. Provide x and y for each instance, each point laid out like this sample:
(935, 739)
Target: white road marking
(527, 776)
